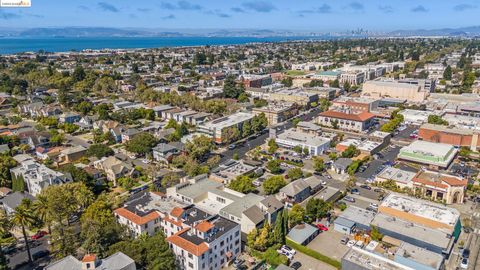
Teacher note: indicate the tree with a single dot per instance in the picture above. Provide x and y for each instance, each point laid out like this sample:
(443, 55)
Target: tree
(447, 73)
(231, 134)
(274, 166)
(318, 164)
(335, 83)
(347, 86)
(298, 149)
(99, 228)
(295, 173)
(437, 120)
(78, 74)
(150, 253)
(272, 146)
(375, 233)
(317, 209)
(246, 129)
(351, 152)
(6, 163)
(24, 218)
(242, 184)
(142, 143)
(273, 184)
(169, 180)
(199, 147)
(280, 230)
(99, 151)
(296, 215)
(84, 107)
(230, 88)
(42, 211)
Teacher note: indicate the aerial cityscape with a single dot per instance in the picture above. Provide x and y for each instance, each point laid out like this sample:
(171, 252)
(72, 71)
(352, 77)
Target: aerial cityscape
(208, 135)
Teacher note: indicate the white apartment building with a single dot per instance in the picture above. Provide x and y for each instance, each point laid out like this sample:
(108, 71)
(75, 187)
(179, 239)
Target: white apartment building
(38, 176)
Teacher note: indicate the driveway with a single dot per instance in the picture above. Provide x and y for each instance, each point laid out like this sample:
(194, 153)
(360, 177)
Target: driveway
(310, 263)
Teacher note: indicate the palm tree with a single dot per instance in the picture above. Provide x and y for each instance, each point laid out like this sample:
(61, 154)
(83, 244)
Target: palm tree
(42, 211)
(23, 217)
(5, 226)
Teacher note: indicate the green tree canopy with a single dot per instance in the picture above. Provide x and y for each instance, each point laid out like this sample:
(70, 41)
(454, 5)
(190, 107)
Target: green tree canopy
(273, 184)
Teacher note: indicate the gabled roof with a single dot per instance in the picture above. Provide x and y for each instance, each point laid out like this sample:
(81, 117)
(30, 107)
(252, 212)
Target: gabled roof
(139, 220)
(184, 244)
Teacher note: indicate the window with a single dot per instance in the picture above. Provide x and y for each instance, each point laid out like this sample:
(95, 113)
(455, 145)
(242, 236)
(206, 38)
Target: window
(190, 256)
(190, 265)
(221, 200)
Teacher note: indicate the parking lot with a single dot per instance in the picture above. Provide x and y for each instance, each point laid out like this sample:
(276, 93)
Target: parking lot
(328, 243)
(388, 154)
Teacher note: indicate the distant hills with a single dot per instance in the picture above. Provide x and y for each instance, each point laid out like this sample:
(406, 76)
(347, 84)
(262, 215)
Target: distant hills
(471, 31)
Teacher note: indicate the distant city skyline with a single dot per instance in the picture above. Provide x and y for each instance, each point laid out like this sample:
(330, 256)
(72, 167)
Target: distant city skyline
(311, 15)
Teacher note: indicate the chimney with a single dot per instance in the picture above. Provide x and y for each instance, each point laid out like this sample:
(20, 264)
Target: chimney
(89, 262)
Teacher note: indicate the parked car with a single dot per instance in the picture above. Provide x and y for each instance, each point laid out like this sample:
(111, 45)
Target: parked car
(344, 240)
(355, 191)
(349, 199)
(374, 205)
(377, 190)
(9, 249)
(366, 187)
(39, 235)
(288, 249)
(351, 243)
(296, 265)
(466, 253)
(464, 263)
(231, 146)
(321, 227)
(288, 255)
(323, 182)
(359, 244)
(237, 263)
(40, 254)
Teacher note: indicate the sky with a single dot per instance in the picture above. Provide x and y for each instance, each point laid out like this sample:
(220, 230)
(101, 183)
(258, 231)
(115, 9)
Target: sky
(304, 15)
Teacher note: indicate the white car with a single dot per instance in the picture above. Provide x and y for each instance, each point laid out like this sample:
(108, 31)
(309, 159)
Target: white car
(351, 243)
(323, 182)
(359, 244)
(374, 205)
(146, 161)
(288, 249)
(464, 263)
(288, 255)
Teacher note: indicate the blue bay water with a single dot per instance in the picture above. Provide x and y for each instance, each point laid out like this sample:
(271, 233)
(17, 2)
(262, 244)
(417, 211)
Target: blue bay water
(63, 44)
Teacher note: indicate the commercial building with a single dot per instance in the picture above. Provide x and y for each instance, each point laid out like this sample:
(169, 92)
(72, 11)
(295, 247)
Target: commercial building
(355, 104)
(359, 259)
(440, 187)
(366, 147)
(346, 120)
(256, 81)
(216, 128)
(379, 89)
(401, 177)
(451, 135)
(433, 154)
(353, 78)
(416, 117)
(294, 95)
(303, 233)
(277, 112)
(316, 145)
(327, 76)
(353, 217)
(425, 224)
(249, 210)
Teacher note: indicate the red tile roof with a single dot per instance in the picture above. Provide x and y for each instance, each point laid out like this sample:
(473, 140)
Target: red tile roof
(186, 245)
(204, 226)
(361, 117)
(136, 218)
(176, 212)
(89, 258)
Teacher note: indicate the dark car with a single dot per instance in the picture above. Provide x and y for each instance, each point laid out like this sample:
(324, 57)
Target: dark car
(40, 254)
(355, 191)
(466, 253)
(366, 187)
(296, 265)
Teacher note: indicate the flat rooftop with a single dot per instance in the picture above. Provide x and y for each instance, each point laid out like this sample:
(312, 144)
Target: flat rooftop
(143, 203)
(397, 175)
(438, 154)
(358, 215)
(228, 121)
(435, 237)
(448, 129)
(369, 260)
(304, 138)
(420, 255)
(422, 208)
(361, 145)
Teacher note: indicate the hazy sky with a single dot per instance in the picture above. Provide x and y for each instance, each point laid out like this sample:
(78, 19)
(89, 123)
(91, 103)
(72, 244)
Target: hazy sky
(311, 15)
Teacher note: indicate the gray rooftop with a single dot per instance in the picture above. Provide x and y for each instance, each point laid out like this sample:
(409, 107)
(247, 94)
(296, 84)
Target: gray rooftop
(358, 215)
(301, 232)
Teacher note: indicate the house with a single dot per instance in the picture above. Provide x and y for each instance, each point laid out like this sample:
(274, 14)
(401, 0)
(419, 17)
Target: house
(51, 153)
(116, 261)
(128, 134)
(114, 168)
(12, 200)
(38, 176)
(69, 118)
(71, 154)
(165, 152)
(295, 192)
(86, 123)
(340, 165)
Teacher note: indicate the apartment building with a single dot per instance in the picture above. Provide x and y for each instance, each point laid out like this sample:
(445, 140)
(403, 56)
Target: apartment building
(249, 210)
(277, 112)
(216, 128)
(294, 95)
(346, 120)
(391, 89)
(38, 176)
